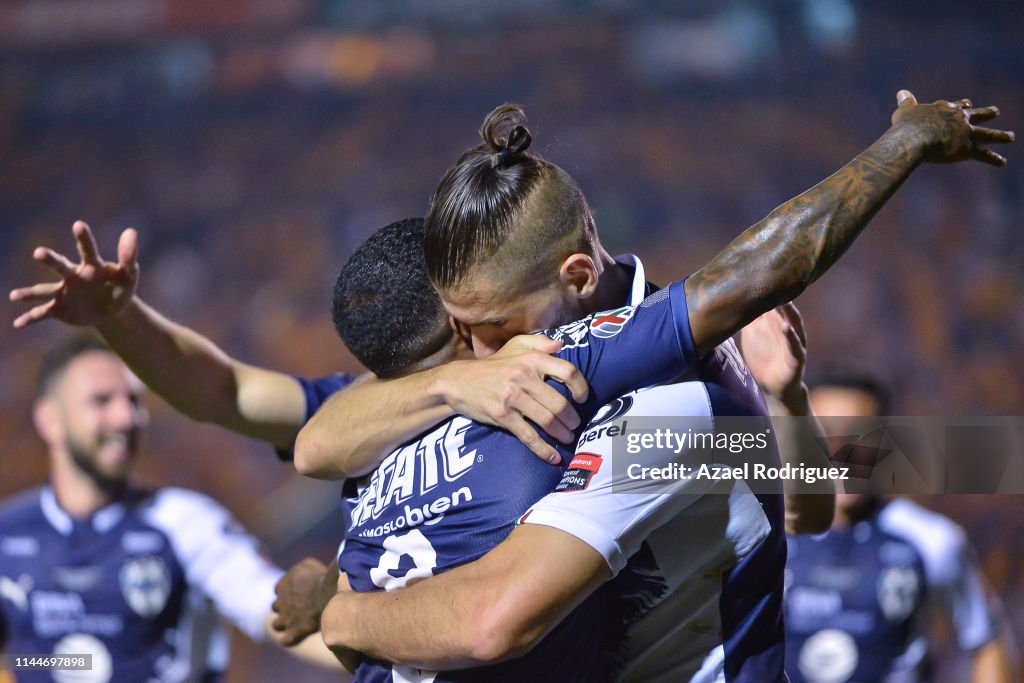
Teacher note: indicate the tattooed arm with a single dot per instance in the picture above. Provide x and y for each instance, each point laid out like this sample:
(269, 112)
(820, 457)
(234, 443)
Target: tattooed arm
(779, 257)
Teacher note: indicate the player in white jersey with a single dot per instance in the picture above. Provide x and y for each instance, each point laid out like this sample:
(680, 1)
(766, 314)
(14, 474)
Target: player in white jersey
(90, 564)
(861, 598)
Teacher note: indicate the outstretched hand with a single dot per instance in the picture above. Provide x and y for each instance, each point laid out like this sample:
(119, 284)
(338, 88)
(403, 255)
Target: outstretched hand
(775, 348)
(949, 129)
(89, 291)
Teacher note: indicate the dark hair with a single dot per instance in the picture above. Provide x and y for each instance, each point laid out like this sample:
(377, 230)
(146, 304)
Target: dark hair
(384, 307)
(495, 187)
(847, 378)
(59, 358)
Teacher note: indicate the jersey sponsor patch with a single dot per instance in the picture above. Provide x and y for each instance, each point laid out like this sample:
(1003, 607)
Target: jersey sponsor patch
(581, 470)
(102, 664)
(610, 323)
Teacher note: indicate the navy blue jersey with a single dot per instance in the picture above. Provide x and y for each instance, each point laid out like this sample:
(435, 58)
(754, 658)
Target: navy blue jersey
(857, 598)
(138, 585)
(453, 494)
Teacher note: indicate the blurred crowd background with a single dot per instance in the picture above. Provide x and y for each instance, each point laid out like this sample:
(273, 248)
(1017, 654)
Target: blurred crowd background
(256, 143)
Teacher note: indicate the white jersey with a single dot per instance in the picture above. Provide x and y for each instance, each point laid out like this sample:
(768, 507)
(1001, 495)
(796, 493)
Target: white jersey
(705, 558)
(701, 560)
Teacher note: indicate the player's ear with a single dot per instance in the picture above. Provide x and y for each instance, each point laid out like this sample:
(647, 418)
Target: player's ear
(578, 274)
(46, 420)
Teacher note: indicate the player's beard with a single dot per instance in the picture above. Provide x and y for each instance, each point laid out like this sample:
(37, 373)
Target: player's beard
(85, 459)
(564, 314)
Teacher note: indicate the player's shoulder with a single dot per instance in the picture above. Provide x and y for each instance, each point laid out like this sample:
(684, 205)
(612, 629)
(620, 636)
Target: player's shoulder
(940, 541)
(689, 398)
(332, 381)
(21, 510)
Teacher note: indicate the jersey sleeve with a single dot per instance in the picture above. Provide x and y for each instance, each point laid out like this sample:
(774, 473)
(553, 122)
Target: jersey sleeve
(316, 391)
(599, 502)
(218, 557)
(959, 592)
(956, 587)
(631, 347)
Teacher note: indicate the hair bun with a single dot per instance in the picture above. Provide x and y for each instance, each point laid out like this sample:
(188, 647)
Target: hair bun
(506, 149)
(518, 140)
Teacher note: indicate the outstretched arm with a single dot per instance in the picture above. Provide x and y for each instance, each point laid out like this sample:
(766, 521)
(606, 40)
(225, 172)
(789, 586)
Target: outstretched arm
(351, 434)
(775, 348)
(778, 258)
(188, 370)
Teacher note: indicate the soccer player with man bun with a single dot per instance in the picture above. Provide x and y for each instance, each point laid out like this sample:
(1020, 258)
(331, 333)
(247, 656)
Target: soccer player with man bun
(511, 246)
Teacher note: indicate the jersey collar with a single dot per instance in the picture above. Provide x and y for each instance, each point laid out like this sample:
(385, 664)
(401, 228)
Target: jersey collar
(103, 520)
(638, 288)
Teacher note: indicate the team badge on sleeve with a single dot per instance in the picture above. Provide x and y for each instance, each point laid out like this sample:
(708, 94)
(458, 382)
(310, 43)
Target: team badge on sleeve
(572, 335)
(581, 470)
(610, 323)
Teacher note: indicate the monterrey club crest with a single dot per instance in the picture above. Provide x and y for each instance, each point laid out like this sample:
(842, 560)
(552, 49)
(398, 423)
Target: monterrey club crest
(146, 585)
(610, 323)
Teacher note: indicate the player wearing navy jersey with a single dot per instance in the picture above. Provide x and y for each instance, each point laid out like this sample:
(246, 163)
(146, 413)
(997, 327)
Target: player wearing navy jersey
(434, 504)
(859, 598)
(448, 497)
(511, 246)
(91, 564)
(395, 537)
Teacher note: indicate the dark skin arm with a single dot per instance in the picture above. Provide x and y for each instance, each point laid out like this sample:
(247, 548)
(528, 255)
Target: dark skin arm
(775, 260)
(302, 594)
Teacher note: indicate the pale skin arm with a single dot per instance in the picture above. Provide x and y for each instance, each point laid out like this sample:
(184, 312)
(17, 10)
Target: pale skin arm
(311, 650)
(493, 609)
(997, 660)
(354, 429)
(6, 676)
(775, 348)
(994, 662)
(779, 257)
(168, 357)
(270, 405)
